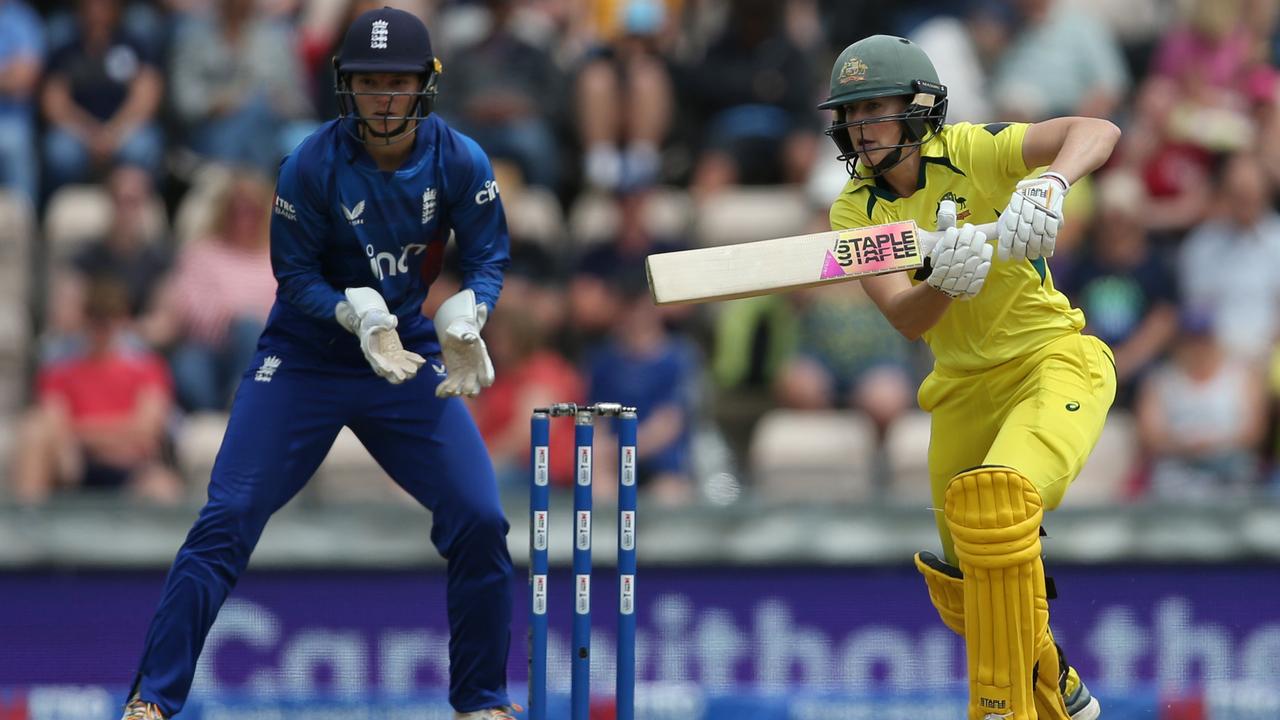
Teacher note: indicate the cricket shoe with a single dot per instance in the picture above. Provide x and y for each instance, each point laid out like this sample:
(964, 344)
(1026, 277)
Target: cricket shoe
(498, 713)
(139, 709)
(1081, 704)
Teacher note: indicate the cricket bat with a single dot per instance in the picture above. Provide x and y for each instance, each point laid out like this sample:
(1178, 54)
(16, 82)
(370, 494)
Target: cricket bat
(773, 266)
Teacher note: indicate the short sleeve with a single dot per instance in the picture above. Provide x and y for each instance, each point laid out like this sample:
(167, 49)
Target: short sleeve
(991, 154)
(847, 212)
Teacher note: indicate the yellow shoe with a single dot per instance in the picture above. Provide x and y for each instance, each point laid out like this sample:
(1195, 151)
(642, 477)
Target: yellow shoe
(139, 709)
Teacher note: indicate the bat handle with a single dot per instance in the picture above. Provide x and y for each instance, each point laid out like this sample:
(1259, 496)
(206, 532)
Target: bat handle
(929, 238)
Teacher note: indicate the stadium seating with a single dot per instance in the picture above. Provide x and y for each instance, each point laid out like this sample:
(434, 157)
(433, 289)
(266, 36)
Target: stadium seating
(196, 445)
(348, 473)
(77, 214)
(17, 241)
(808, 456)
(594, 217)
(534, 215)
(746, 214)
(907, 451)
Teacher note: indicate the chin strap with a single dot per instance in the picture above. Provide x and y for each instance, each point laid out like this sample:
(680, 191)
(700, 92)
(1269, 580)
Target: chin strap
(405, 129)
(891, 161)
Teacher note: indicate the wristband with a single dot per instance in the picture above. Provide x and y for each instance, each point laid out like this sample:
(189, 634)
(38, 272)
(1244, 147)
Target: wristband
(1060, 178)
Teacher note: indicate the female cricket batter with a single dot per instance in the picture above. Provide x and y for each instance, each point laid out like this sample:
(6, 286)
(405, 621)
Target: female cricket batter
(363, 209)
(1017, 395)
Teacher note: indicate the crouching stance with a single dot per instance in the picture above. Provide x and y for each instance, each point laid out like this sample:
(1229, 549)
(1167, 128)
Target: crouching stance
(1017, 395)
(363, 209)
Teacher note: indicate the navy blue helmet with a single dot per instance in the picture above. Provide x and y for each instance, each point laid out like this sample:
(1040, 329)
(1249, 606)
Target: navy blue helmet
(386, 40)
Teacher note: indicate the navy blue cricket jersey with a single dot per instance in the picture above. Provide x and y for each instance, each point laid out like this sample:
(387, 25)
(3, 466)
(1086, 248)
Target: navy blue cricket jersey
(340, 222)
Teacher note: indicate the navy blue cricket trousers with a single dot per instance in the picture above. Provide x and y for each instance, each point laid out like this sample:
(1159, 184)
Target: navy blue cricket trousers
(280, 430)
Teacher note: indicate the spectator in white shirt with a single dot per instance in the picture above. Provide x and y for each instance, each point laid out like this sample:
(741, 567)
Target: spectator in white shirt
(1202, 417)
(1060, 61)
(1230, 264)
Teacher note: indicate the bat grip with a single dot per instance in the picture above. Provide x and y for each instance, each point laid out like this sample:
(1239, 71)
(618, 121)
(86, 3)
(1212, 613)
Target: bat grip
(929, 238)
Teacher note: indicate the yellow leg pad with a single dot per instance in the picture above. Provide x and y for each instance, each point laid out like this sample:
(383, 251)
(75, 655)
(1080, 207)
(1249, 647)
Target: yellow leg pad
(994, 516)
(1048, 694)
(946, 589)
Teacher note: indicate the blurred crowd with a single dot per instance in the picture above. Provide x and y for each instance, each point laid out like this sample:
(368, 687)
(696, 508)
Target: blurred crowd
(141, 138)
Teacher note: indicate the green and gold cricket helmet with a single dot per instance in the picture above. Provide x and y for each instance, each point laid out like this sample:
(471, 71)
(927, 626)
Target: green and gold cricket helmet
(886, 66)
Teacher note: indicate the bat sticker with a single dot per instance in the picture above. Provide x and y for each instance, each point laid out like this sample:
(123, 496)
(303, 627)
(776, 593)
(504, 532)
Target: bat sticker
(878, 249)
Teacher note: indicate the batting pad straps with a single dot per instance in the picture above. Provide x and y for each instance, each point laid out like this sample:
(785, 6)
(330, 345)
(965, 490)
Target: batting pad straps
(946, 589)
(994, 516)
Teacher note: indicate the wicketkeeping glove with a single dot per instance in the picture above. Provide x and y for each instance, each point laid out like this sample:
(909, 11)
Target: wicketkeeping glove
(1029, 225)
(960, 262)
(458, 324)
(364, 313)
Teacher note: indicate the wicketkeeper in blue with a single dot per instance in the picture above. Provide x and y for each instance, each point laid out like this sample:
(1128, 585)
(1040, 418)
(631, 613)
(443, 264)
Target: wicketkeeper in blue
(363, 210)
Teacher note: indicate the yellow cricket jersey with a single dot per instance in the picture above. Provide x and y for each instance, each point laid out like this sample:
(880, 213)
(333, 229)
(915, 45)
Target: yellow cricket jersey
(1018, 310)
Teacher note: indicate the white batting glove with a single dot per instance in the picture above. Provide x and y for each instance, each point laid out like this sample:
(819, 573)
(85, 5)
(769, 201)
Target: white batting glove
(458, 324)
(960, 261)
(364, 313)
(946, 214)
(1029, 225)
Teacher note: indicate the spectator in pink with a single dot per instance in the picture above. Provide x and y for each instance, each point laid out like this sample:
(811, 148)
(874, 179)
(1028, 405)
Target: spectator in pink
(217, 302)
(1211, 91)
(1216, 58)
(99, 421)
(1175, 167)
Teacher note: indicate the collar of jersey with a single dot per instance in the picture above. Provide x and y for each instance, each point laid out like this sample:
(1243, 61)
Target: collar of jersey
(355, 148)
(932, 151)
